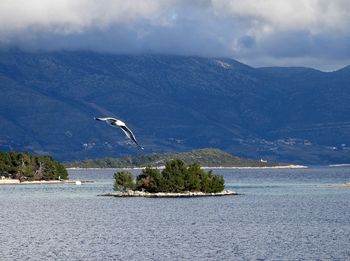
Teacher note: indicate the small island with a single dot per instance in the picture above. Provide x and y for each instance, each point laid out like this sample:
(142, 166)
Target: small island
(176, 180)
(22, 167)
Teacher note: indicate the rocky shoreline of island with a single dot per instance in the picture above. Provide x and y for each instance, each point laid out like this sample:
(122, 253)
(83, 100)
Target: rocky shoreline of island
(187, 194)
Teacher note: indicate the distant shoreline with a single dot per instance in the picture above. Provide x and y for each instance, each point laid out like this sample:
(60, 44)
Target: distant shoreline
(162, 167)
(42, 182)
(207, 157)
(340, 165)
(345, 185)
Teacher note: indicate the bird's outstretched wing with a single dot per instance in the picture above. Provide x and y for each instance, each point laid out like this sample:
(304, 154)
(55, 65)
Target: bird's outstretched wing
(130, 135)
(106, 119)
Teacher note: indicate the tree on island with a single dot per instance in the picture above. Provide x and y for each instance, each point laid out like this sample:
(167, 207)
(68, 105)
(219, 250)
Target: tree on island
(24, 166)
(176, 177)
(124, 180)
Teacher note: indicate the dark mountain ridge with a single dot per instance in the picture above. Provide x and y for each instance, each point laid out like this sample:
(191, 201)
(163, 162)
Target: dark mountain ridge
(49, 100)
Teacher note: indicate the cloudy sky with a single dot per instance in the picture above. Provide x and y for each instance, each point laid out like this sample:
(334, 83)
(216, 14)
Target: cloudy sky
(313, 33)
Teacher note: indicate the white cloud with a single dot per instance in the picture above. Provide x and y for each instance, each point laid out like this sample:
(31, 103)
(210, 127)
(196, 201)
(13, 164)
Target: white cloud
(74, 16)
(312, 15)
(263, 16)
(254, 31)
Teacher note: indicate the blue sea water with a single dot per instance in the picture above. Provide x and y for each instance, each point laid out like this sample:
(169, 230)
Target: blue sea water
(282, 215)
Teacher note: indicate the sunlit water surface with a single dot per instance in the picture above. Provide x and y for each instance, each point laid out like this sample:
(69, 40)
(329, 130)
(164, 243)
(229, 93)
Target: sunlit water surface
(282, 215)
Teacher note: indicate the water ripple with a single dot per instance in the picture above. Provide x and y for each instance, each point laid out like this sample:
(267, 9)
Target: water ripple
(280, 217)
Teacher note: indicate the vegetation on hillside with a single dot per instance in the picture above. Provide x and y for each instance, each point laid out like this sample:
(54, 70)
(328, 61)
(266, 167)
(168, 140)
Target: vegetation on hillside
(204, 157)
(175, 177)
(287, 114)
(24, 166)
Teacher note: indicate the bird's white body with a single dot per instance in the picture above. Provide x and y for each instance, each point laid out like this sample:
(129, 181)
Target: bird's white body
(118, 123)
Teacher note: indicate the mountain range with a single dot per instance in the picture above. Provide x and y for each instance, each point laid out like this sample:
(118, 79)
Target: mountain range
(49, 100)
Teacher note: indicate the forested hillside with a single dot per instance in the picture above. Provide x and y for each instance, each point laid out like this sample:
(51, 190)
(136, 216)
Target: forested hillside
(172, 103)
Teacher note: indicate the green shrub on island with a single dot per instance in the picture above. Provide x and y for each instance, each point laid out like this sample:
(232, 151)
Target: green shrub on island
(175, 177)
(24, 166)
(124, 180)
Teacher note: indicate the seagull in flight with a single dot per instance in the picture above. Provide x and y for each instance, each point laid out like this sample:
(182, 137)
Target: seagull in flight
(118, 123)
